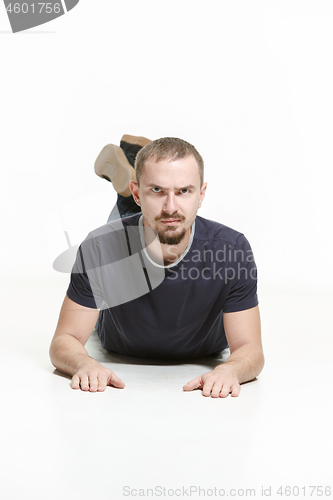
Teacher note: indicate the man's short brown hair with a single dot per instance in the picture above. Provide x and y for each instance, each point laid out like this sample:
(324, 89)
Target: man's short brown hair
(167, 148)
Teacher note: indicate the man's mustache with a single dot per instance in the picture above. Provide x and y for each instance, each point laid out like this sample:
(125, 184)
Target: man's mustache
(170, 216)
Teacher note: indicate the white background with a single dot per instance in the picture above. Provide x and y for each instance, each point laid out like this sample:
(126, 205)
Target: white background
(249, 83)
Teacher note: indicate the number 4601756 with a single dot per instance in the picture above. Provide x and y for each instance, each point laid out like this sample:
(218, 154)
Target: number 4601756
(24, 8)
(309, 491)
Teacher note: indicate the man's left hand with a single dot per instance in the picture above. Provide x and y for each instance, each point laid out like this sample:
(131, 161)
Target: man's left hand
(220, 382)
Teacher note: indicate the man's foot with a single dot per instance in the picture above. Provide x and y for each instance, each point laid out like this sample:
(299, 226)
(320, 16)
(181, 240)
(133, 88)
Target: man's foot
(133, 139)
(112, 165)
(131, 145)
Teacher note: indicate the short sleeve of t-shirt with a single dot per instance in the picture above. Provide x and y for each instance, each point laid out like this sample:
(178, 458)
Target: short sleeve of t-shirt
(242, 277)
(79, 289)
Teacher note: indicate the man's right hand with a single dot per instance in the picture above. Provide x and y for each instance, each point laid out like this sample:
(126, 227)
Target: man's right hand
(68, 354)
(94, 377)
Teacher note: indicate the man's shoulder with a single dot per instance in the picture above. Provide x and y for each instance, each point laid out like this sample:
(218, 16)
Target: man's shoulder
(109, 243)
(207, 229)
(114, 227)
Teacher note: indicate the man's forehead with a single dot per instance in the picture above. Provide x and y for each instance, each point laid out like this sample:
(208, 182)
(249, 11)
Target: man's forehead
(183, 168)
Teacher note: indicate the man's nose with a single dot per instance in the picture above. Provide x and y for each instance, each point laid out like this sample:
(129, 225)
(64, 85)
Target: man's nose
(170, 205)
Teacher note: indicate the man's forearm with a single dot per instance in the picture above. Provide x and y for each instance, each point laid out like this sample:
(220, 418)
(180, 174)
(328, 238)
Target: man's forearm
(67, 354)
(245, 363)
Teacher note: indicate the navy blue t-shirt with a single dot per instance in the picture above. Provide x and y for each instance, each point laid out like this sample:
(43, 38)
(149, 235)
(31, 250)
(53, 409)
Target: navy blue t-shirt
(172, 312)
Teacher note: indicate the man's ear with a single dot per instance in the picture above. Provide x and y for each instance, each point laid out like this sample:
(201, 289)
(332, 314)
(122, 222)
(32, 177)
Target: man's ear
(202, 193)
(135, 192)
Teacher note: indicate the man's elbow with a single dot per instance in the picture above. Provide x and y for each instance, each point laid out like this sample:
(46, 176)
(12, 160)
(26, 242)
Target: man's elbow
(53, 351)
(57, 348)
(260, 360)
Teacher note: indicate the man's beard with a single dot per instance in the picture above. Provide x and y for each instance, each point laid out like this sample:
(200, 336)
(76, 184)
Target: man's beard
(166, 237)
(170, 239)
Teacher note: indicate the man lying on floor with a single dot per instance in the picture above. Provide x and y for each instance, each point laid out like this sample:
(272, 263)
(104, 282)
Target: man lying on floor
(160, 281)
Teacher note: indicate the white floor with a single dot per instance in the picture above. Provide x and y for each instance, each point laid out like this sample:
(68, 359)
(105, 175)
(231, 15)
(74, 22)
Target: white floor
(60, 443)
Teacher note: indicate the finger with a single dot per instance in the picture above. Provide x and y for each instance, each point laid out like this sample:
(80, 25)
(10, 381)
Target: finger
(93, 383)
(193, 384)
(235, 390)
(102, 383)
(207, 388)
(75, 382)
(116, 381)
(216, 390)
(84, 383)
(225, 391)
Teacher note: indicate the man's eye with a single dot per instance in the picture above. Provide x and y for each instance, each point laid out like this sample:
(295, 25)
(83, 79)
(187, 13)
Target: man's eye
(184, 191)
(156, 190)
